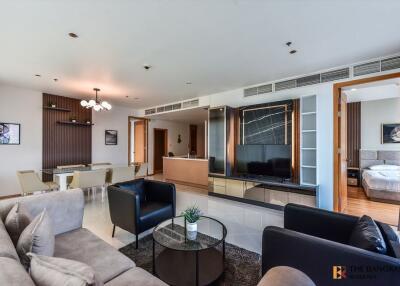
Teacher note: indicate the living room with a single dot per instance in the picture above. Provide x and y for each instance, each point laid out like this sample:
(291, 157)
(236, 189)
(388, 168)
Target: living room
(196, 143)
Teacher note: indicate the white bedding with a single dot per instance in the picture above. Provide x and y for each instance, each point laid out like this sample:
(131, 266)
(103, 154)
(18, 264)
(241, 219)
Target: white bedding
(382, 180)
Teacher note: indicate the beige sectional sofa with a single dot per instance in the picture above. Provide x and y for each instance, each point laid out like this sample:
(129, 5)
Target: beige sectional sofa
(73, 242)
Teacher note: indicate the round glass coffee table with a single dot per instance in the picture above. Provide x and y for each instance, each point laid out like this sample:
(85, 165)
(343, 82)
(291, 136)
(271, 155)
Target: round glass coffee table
(178, 260)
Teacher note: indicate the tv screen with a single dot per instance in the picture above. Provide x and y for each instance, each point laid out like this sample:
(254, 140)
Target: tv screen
(9, 134)
(264, 160)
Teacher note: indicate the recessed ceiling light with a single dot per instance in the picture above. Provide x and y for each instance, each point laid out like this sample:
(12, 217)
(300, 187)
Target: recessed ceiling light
(127, 96)
(38, 75)
(147, 67)
(73, 35)
(188, 82)
(136, 98)
(293, 52)
(288, 44)
(55, 79)
(353, 89)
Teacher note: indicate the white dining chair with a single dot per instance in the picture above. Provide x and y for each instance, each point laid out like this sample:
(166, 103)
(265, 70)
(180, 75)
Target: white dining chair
(30, 182)
(142, 172)
(89, 180)
(122, 174)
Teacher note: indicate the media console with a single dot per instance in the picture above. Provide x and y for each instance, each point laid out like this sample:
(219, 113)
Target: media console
(262, 192)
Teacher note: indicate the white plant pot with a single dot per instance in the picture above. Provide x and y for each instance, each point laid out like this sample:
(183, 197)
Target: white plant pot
(191, 231)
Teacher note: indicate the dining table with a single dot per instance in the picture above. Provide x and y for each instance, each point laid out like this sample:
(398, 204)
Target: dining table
(62, 175)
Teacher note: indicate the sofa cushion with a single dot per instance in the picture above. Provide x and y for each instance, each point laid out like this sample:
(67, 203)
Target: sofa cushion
(135, 185)
(16, 221)
(54, 271)
(65, 209)
(12, 273)
(366, 235)
(37, 237)
(151, 213)
(136, 277)
(7, 248)
(81, 245)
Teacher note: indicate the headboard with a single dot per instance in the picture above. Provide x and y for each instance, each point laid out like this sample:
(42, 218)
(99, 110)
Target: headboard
(371, 157)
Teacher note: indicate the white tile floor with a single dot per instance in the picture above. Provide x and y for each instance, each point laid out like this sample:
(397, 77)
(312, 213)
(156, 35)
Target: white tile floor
(245, 223)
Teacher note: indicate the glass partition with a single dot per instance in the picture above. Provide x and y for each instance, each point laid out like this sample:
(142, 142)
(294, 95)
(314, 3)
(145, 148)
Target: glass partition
(216, 141)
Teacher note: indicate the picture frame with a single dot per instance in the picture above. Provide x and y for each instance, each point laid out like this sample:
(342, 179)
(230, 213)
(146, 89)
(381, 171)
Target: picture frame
(390, 133)
(111, 137)
(10, 133)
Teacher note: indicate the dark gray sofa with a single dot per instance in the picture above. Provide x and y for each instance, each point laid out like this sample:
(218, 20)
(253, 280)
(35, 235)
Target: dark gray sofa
(71, 242)
(316, 242)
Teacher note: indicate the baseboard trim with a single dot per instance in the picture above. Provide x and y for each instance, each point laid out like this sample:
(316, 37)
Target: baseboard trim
(9, 196)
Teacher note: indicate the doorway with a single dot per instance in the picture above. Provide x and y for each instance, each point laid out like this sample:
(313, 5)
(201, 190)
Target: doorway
(344, 155)
(160, 149)
(137, 140)
(193, 139)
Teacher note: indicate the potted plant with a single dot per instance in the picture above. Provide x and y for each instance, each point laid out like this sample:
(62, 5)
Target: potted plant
(192, 215)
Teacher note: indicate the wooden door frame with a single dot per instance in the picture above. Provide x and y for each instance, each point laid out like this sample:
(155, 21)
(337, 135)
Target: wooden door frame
(154, 145)
(337, 89)
(146, 137)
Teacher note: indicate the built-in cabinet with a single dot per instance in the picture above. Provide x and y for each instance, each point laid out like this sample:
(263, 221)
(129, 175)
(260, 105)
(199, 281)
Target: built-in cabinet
(308, 141)
(217, 140)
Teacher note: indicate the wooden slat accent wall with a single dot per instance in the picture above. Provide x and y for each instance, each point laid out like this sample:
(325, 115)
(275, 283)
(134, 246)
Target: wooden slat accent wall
(353, 134)
(65, 144)
(296, 141)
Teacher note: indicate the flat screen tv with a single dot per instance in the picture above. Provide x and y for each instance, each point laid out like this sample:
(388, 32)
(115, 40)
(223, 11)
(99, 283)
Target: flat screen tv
(263, 160)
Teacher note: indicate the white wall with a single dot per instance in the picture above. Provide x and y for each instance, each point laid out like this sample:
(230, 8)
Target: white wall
(174, 128)
(115, 119)
(22, 106)
(373, 114)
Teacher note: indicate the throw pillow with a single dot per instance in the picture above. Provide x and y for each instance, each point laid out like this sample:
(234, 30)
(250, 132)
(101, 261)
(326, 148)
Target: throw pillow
(366, 235)
(54, 271)
(37, 237)
(16, 221)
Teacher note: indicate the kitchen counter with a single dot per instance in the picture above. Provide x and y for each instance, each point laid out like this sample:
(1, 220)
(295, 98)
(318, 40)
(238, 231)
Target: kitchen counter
(192, 171)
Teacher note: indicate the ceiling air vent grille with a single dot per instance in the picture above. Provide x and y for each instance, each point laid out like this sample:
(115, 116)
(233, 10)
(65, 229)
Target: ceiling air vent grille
(160, 109)
(335, 75)
(287, 84)
(150, 111)
(250, 91)
(177, 106)
(190, 103)
(390, 64)
(367, 68)
(308, 80)
(266, 88)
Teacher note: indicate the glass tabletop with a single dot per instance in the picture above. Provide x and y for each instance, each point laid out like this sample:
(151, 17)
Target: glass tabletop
(66, 170)
(172, 234)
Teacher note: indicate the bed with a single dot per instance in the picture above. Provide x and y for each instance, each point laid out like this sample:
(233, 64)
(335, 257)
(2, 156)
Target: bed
(381, 175)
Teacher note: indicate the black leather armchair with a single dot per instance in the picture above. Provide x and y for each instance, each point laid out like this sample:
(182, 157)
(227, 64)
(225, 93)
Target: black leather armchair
(315, 240)
(141, 204)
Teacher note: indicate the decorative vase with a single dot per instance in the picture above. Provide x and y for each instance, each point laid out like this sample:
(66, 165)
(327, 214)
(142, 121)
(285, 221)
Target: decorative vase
(191, 230)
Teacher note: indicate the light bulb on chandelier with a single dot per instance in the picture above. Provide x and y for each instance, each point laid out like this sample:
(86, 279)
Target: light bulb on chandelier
(96, 104)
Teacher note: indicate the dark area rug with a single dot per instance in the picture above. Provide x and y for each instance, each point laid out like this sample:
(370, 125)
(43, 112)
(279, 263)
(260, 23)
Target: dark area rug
(242, 267)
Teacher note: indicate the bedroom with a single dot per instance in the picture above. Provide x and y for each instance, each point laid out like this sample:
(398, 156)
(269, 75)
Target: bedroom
(373, 149)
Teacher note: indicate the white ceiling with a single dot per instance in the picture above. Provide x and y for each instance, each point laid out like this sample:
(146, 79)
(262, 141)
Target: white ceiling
(373, 91)
(191, 116)
(216, 45)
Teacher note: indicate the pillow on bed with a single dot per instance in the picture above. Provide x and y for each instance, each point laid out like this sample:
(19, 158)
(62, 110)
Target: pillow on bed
(385, 168)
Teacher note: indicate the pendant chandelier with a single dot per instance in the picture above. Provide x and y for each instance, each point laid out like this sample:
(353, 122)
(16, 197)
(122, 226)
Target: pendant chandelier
(96, 104)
